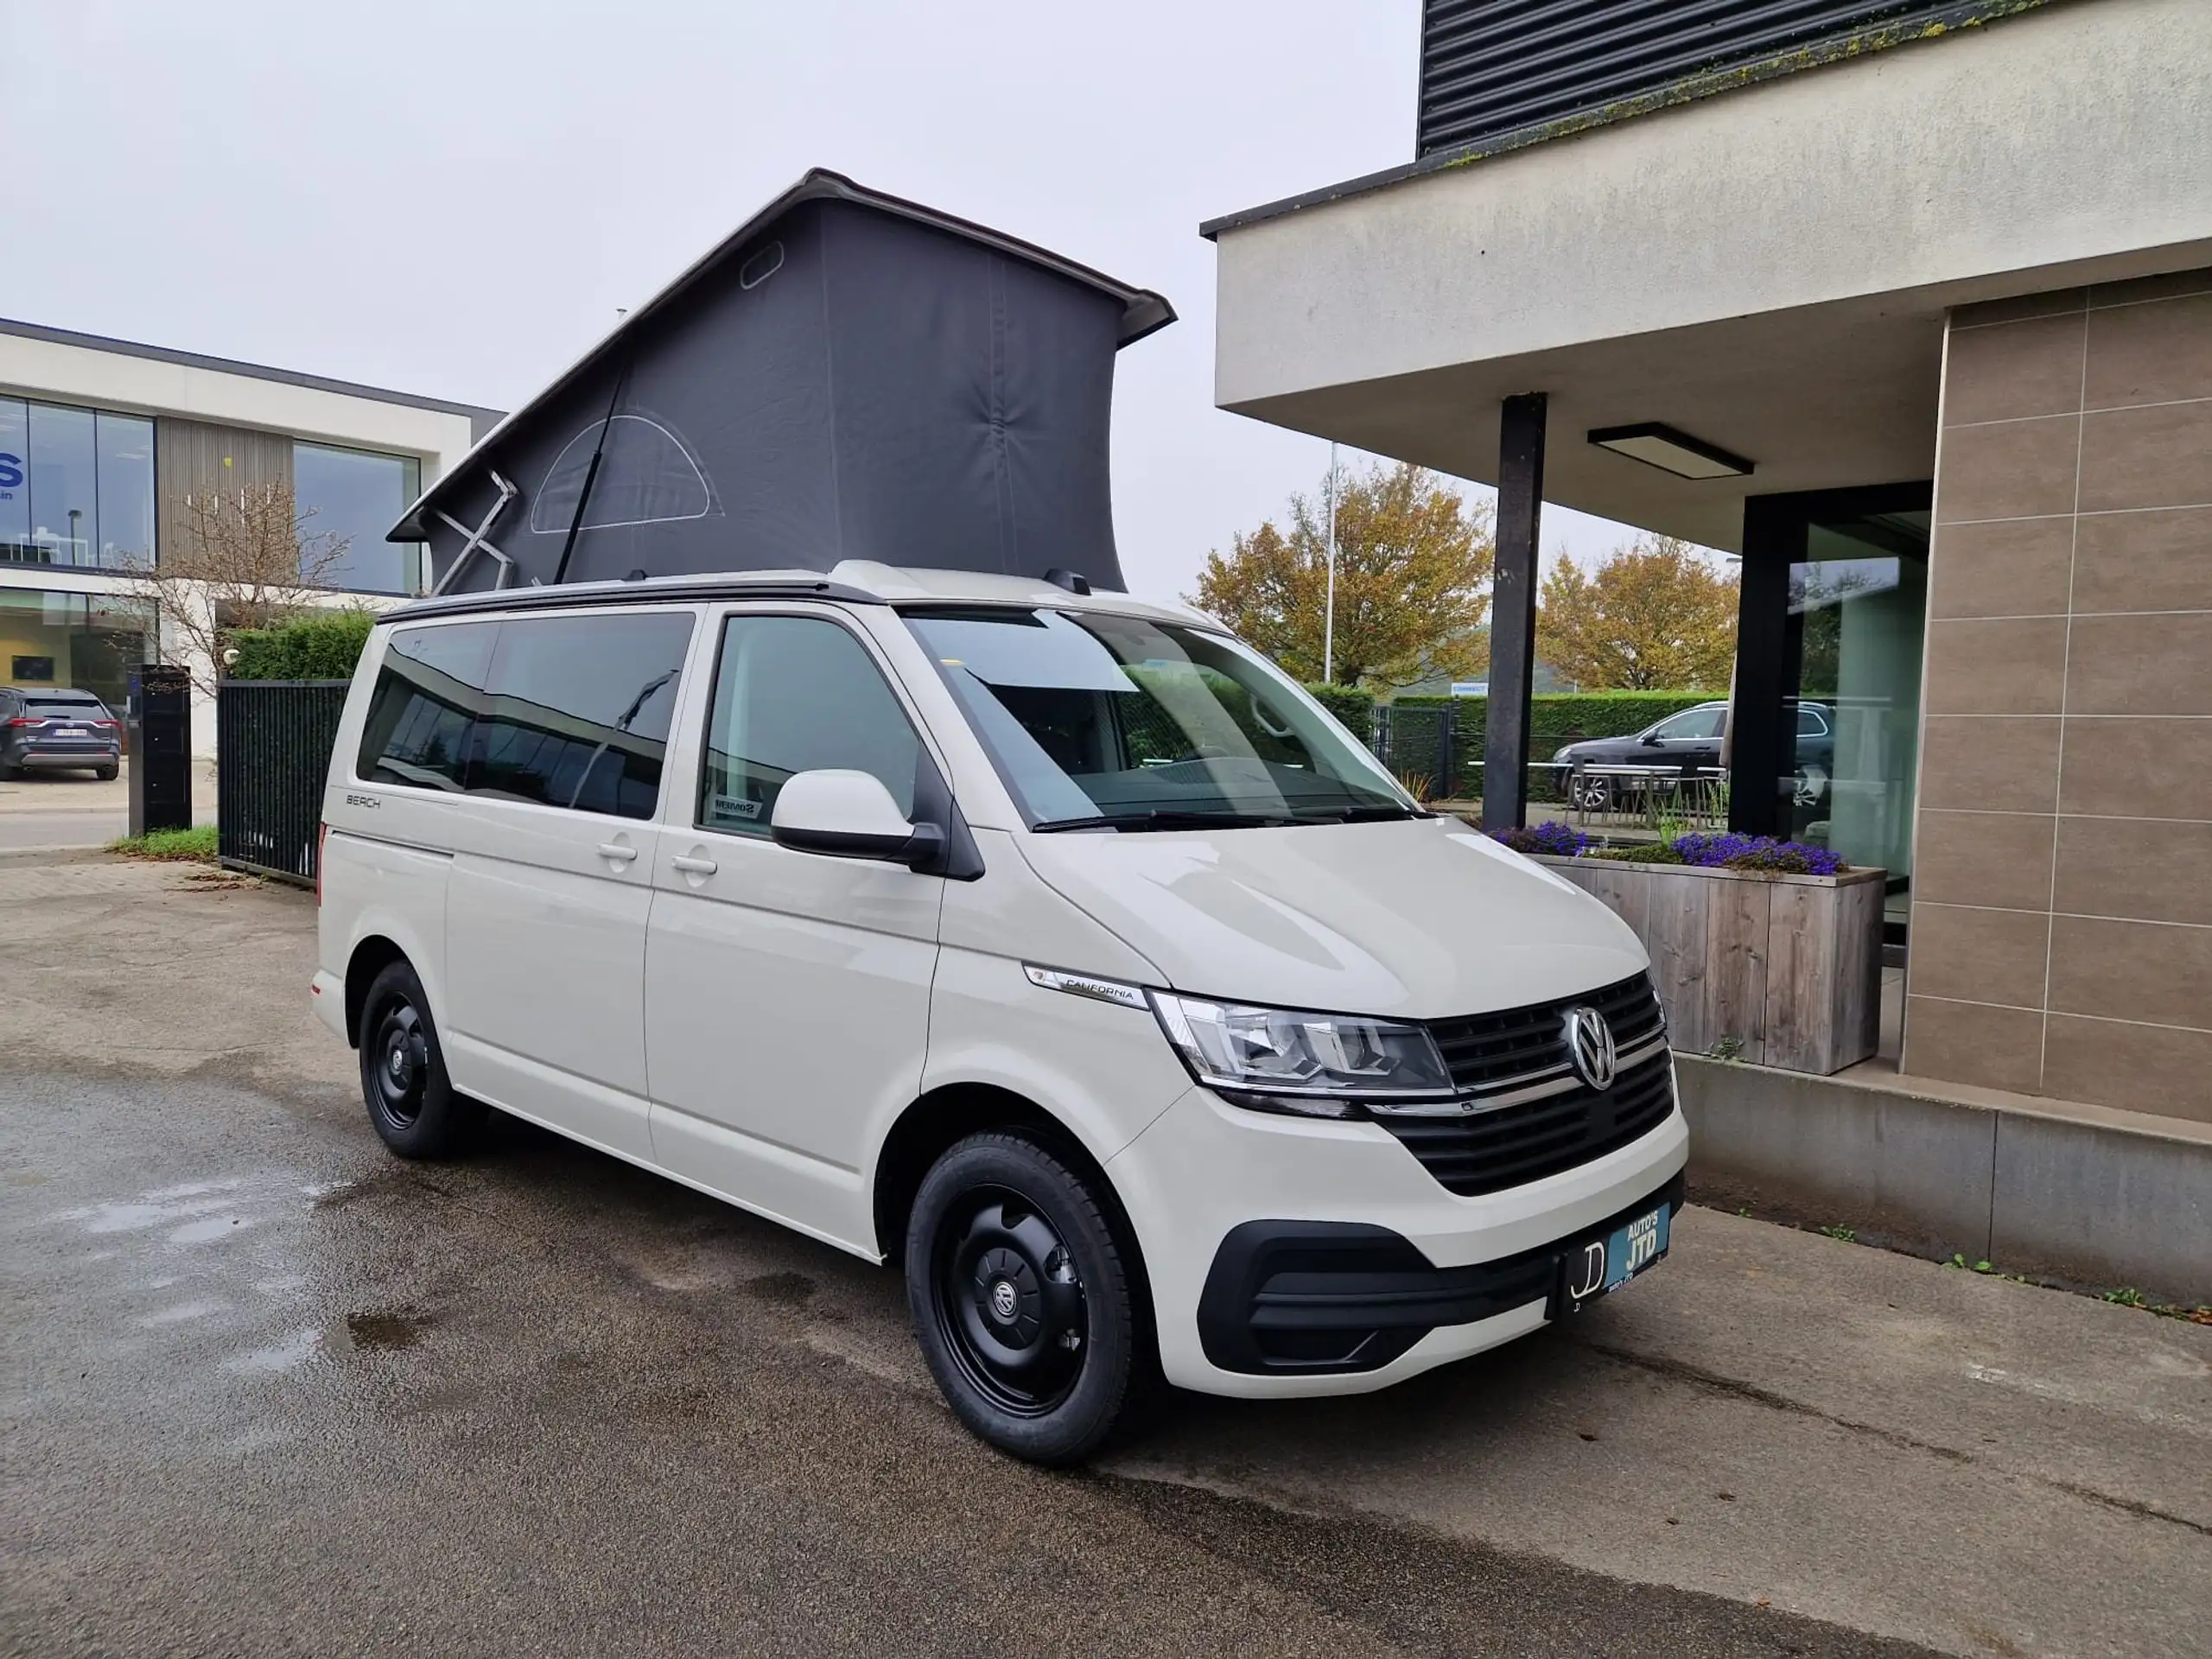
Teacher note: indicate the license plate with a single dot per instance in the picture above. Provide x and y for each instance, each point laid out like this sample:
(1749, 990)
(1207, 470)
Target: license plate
(73, 731)
(1599, 1265)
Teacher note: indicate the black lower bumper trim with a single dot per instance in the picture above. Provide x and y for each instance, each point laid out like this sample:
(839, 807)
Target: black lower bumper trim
(1305, 1296)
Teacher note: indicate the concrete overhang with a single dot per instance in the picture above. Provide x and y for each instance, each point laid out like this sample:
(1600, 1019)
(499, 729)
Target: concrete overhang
(1767, 269)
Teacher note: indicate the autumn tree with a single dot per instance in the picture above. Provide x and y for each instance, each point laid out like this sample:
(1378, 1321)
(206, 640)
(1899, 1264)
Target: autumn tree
(1413, 580)
(1655, 616)
(243, 559)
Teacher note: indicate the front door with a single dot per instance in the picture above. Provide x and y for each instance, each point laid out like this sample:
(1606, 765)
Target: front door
(787, 993)
(554, 837)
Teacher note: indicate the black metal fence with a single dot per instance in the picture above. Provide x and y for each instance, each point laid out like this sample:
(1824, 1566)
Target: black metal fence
(272, 752)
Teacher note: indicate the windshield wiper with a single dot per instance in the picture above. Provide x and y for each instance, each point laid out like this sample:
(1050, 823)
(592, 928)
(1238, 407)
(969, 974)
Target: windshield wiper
(1164, 818)
(1374, 814)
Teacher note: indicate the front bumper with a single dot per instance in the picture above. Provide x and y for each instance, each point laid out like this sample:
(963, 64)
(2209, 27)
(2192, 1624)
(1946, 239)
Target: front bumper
(1206, 1169)
(1292, 1298)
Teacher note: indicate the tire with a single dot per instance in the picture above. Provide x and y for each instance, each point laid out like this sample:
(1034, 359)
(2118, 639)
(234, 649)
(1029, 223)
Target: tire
(105, 774)
(1011, 1252)
(1593, 794)
(412, 1103)
(1810, 786)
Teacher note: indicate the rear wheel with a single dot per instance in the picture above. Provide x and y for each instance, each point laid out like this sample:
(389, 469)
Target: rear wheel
(1024, 1300)
(412, 1101)
(105, 774)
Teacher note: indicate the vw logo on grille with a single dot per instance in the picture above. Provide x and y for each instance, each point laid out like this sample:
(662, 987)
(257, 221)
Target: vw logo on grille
(1590, 1045)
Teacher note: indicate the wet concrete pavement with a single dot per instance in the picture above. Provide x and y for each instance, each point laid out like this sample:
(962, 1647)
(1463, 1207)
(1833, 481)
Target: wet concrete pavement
(265, 1389)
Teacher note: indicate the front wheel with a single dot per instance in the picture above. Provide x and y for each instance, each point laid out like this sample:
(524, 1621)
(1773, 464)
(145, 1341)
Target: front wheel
(1023, 1299)
(412, 1101)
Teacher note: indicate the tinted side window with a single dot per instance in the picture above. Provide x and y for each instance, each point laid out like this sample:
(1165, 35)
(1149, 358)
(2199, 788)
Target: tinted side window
(796, 694)
(1693, 723)
(428, 694)
(576, 711)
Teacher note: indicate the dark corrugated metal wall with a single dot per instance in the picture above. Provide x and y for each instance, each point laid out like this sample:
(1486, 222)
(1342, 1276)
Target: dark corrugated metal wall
(1493, 68)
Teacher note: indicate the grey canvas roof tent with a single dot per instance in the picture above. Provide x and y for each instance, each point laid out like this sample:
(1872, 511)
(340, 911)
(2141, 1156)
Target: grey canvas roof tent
(848, 376)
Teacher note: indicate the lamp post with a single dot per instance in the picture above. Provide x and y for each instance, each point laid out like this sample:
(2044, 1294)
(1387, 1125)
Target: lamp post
(1329, 614)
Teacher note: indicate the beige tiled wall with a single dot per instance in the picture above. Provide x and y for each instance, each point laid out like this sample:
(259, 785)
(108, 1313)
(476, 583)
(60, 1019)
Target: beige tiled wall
(2062, 925)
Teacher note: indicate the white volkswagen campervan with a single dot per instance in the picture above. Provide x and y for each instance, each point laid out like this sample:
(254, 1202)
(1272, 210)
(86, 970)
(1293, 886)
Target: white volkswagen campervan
(1051, 944)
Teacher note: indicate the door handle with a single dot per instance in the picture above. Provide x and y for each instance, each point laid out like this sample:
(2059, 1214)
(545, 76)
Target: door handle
(619, 853)
(694, 866)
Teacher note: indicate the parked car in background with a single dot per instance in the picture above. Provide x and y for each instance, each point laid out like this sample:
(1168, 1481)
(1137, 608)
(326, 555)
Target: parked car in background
(49, 729)
(1688, 743)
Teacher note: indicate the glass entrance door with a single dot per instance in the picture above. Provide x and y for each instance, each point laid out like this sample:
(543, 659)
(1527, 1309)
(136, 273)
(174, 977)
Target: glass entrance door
(1857, 610)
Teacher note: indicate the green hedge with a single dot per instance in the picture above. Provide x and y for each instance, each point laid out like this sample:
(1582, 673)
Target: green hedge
(1555, 719)
(1350, 705)
(323, 646)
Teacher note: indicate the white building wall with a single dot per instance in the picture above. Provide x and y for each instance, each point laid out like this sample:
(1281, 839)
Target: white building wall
(90, 376)
(2065, 145)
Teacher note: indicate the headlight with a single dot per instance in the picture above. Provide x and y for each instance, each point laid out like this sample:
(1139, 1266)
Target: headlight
(1314, 1064)
(1564, 757)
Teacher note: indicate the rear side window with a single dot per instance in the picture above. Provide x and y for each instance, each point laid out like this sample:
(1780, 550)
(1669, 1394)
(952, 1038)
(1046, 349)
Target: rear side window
(428, 694)
(796, 694)
(577, 711)
(570, 711)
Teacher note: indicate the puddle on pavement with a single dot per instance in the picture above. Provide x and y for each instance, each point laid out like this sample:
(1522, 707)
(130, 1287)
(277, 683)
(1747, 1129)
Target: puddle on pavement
(200, 1232)
(183, 1314)
(287, 1355)
(398, 1328)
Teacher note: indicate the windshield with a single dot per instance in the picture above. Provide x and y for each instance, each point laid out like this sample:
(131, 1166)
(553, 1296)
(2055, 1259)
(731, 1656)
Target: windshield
(1097, 720)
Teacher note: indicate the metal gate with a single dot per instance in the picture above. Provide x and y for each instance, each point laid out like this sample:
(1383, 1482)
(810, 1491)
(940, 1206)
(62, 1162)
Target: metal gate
(272, 752)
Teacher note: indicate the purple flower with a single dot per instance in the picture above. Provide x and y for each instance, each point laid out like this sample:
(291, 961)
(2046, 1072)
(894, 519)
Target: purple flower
(1558, 840)
(1730, 851)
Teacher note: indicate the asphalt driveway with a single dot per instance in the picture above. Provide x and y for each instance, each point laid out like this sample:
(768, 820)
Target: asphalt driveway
(267, 1390)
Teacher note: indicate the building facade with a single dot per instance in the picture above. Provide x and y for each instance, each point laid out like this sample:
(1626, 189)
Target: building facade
(104, 443)
(1910, 304)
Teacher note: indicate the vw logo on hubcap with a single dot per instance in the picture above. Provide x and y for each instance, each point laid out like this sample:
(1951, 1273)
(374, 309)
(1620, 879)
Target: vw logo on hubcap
(1590, 1047)
(1003, 1300)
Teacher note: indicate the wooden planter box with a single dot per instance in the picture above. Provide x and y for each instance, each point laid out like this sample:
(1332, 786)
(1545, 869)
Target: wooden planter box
(1790, 967)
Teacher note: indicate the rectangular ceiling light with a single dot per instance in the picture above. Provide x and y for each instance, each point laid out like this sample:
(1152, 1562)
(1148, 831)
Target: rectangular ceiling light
(1678, 453)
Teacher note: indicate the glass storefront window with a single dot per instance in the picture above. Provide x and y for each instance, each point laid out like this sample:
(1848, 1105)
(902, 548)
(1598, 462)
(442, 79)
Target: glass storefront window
(84, 642)
(354, 497)
(76, 486)
(125, 448)
(1858, 604)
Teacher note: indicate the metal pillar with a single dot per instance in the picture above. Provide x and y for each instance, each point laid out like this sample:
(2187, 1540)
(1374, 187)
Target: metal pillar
(1774, 538)
(159, 719)
(1513, 611)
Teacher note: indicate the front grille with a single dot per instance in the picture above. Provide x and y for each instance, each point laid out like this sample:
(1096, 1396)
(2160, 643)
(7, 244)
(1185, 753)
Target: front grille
(1482, 1151)
(1486, 1050)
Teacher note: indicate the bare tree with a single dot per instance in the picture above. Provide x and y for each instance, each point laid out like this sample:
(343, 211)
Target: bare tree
(244, 558)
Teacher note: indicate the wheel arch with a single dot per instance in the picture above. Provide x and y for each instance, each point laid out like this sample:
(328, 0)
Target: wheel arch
(372, 956)
(949, 1115)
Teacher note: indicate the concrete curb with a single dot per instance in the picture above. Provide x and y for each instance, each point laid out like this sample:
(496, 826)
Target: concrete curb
(2094, 1202)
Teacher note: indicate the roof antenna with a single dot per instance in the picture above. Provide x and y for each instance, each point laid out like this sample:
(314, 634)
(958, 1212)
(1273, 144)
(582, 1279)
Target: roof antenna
(1074, 580)
(591, 475)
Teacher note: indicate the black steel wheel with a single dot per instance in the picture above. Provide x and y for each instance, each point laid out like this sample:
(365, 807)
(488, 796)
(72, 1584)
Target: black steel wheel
(1022, 1293)
(1008, 1302)
(412, 1101)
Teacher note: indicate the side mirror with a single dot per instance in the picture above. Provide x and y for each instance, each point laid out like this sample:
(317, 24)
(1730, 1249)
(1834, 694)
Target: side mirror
(1651, 740)
(849, 814)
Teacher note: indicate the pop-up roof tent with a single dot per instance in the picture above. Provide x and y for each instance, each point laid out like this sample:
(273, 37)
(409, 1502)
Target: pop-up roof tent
(848, 376)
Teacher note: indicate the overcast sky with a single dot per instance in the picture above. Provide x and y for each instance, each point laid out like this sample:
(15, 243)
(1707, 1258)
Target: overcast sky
(454, 198)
